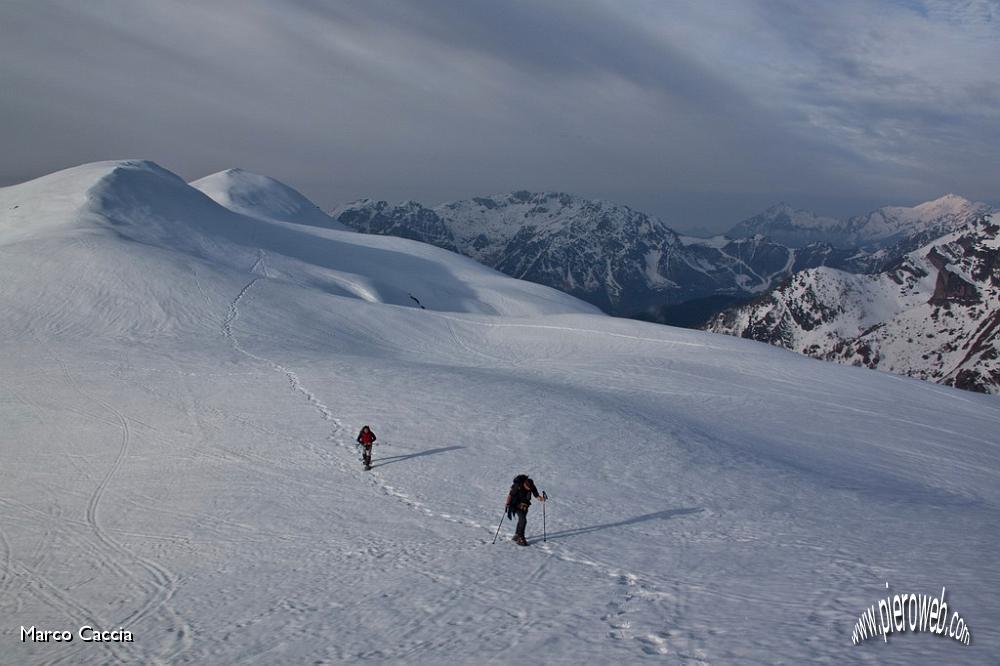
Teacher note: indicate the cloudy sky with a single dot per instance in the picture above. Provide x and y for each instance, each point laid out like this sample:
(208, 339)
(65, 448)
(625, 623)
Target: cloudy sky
(702, 112)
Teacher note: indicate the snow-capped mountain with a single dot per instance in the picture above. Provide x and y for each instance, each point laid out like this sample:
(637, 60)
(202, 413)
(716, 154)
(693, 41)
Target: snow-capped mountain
(935, 314)
(611, 255)
(183, 385)
(897, 226)
(886, 233)
(619, 259)
(793, 227)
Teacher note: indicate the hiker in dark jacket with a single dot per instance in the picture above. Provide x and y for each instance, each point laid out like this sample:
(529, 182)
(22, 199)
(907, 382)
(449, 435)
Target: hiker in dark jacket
(518, 501)
(366, 438)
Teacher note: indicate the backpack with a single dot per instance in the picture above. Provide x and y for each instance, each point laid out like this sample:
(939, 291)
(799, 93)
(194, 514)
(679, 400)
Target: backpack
(518, 493)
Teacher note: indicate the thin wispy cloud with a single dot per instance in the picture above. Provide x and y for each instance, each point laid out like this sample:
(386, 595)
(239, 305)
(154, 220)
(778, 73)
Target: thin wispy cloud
(699, 112)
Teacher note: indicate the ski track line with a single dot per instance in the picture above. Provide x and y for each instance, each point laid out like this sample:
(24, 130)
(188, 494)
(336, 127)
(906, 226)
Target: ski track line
(31, 577)
(162, 584)
(635, 586)
(631, 581)
(293, 379)
(49, 593)
(620, 626)
(84, 546)
(654, 643)
(41, 553)
(58, 596)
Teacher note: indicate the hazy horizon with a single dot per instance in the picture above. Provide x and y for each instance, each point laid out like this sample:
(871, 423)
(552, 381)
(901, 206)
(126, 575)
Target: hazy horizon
(700, 115)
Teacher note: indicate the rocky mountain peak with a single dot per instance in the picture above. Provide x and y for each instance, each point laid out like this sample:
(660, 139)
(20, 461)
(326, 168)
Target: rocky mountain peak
(932, 314)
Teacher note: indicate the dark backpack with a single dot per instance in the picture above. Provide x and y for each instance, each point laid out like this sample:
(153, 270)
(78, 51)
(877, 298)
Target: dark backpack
(519, 494)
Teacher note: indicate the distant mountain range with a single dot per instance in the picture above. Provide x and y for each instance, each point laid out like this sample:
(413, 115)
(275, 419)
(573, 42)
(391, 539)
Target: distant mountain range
(632, 264)
(622, 260)
(934, 314)
(883, 228)
(792, 227)
(911, 290)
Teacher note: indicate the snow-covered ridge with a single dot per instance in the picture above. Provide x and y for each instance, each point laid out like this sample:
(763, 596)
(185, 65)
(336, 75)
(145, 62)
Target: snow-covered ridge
(874, 230)
(934, 218)
(141, 202)
(934, 314)
(259, 196)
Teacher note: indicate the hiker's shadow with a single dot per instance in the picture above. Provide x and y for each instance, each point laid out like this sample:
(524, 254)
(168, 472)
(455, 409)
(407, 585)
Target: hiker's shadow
(658, 515)
(378, 462)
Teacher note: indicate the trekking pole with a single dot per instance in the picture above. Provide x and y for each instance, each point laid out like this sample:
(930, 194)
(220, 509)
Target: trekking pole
(544, 533)
(500, 525)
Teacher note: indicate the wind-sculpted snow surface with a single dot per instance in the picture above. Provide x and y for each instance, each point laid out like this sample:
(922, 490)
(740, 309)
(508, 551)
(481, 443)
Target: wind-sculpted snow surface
(263, 197)
(182, 386)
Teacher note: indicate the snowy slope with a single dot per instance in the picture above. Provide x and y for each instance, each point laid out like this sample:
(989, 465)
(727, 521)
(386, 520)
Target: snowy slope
(183, 384)
(157, 212)
(935, 315)
(262, 197)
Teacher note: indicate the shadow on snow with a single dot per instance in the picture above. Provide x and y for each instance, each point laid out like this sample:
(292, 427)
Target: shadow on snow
(429, 452)
(657, 515)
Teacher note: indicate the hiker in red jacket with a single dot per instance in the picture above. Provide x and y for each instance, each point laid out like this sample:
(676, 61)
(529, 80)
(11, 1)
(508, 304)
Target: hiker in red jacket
(366, 438)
